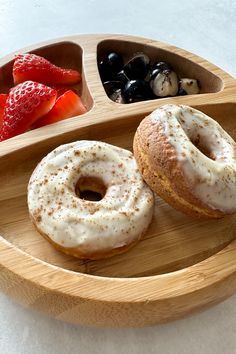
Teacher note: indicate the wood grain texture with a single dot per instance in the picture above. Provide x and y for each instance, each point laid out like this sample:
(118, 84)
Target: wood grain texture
(182, 265)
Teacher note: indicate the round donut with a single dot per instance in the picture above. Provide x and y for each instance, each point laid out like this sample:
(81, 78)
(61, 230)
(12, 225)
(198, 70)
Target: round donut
(87, 228)
(189, 160)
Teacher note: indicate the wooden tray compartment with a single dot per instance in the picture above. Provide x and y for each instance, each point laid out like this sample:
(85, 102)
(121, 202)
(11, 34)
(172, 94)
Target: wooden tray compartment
(64, 54)
(181, 265)
(173, 241)
(184, 67)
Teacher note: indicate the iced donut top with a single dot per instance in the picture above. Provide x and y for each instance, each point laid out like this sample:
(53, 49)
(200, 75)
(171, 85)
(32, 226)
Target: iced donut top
(114, 221)
(206, 152)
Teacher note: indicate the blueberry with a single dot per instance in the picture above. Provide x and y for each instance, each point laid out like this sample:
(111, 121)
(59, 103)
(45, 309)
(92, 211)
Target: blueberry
(117, 96)
(182, 92)
(122, 77)
(103, 71)
(111, 86)
(137, 67)
(137, 90)
(161, 66)
(110, 65)
(115, 61)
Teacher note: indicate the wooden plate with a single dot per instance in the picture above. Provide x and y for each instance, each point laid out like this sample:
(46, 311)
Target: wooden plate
(182, 265)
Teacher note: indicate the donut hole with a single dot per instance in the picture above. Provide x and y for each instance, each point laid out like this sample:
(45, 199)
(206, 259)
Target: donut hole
(90, 188)
(202, 146)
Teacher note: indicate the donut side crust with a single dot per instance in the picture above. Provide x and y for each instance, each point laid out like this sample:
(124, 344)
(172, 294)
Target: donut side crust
(85, 254)
(162, 171)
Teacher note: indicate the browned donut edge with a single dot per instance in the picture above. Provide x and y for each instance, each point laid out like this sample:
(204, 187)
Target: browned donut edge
(162, 171)
(78, 253)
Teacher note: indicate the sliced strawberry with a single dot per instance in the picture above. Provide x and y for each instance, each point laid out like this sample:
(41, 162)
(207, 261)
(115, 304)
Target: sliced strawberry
(62, 89)
(3, 99)
(25, 104)
(35, 68)
(67, 105)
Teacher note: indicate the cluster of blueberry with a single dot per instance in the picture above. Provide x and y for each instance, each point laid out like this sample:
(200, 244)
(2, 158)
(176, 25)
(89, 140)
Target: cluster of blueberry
(139, 80)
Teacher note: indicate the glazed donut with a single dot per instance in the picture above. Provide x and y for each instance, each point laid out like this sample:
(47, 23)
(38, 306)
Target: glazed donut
(85, 228)
(189, 160)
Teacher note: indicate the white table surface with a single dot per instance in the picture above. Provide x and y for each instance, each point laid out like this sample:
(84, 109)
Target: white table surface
(207, 28)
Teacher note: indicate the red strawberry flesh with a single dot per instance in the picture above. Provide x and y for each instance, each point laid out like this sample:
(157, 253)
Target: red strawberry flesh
(3, 99)
(67, 105)
(36, 68)
(25, 104)
(62, 89)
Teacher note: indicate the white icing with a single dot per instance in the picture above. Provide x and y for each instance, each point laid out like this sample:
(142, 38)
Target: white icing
(214, 180)
(116, 220)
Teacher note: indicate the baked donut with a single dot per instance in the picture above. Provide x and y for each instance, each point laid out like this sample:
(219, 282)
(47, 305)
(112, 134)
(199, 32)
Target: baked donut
(189, 160)
(87, 228)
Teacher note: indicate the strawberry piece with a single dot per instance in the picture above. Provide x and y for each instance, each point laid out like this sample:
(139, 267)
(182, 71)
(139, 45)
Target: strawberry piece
(24, 105)
(3, 99)
(35, 68)
(62, 89)
(67, 105)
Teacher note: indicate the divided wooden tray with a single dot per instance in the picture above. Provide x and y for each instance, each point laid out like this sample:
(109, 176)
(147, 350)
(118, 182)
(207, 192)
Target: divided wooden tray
(182, 265)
